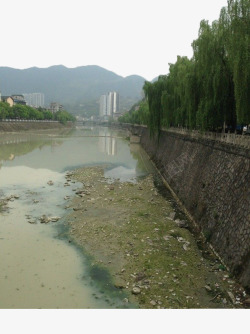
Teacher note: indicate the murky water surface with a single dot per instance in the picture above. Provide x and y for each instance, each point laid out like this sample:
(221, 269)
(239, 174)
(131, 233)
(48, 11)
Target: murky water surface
(38, 268)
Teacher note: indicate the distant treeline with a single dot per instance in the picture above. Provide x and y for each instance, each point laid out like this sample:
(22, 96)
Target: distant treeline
(19, 111)
(210, 90)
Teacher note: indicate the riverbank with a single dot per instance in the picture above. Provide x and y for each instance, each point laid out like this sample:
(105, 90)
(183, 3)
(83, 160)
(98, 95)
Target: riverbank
(32, 125)
(209, 176)
(139, 236)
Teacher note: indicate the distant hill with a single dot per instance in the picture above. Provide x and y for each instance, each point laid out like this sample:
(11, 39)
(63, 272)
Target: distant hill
(78, 89)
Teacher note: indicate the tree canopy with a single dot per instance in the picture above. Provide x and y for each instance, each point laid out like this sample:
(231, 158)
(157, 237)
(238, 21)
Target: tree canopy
(212, 88)
(19, 111)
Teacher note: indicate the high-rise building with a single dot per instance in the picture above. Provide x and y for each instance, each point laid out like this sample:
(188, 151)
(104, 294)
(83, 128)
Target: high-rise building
(116, 103)
(103, 106)
(109, 104)
(34, 99)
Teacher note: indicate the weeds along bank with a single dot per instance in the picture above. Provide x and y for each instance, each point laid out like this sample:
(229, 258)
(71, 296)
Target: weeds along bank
(211, 179)
(25, 126)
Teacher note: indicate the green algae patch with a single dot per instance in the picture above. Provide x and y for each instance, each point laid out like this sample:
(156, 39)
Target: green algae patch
(131, 230)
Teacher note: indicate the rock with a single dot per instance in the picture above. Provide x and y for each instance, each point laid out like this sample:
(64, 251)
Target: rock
(50, 183)
(120, 286)
(231, 296)
(152, 302)
(77, 208)
(79, 192)
(136, 290)
(208, 288)
(44, 219)
(185, 246)
(181, 223)
(125, 300)
(172, 215)
(140, 276)
(31, 221)
(247, 302)
(55, 219)
(16, 196)
(167, 237)
(12, 156)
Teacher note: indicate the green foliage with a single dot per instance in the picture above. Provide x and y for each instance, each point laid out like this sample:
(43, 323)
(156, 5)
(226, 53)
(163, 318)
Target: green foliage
(63, 117)
(153, 93)
(237, 29)
(78, 89)
(19, 111)
(138, 114)
(4, 110)
(211, 89)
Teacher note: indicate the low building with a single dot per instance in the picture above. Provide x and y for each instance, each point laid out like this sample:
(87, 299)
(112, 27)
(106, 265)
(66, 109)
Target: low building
(55, 107)
(14, 99)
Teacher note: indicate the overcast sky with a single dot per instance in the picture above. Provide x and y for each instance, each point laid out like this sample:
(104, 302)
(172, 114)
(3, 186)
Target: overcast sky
(124, 36)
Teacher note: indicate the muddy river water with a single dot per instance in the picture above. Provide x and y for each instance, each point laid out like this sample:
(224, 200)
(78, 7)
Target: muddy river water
(38, 267)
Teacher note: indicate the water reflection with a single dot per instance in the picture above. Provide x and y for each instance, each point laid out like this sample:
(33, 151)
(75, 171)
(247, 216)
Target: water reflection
(107, 144)
(14, 145)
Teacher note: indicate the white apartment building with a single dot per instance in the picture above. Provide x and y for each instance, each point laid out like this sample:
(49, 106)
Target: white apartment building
(34, 99)
(109, 104)
(103, 106)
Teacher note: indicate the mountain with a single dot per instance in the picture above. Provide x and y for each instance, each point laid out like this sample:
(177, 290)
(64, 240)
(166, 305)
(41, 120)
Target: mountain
(78, 89)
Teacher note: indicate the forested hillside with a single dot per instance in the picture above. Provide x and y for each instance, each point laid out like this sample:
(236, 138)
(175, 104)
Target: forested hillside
(78, 89)
(210, 90)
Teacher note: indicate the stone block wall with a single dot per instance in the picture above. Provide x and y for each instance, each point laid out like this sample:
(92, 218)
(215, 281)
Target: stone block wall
(212, 180)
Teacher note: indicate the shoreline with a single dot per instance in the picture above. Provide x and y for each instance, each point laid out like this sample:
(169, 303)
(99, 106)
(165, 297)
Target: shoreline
(133, 232)
(10, 127)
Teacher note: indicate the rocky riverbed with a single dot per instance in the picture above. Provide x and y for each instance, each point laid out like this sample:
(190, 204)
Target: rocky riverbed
(132, 231)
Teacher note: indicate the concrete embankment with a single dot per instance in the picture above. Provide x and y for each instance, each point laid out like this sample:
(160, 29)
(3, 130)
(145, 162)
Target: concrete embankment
(211, 179)
(36, 125)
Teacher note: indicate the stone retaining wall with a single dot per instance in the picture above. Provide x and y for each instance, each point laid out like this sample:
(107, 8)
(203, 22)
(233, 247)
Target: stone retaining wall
(36, 125)
(211, 179)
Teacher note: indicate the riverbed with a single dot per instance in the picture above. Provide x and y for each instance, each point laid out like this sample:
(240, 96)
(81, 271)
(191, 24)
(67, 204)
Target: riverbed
(39, 267)
(85, 224)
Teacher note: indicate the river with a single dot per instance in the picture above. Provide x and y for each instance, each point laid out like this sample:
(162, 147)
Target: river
(39, 268)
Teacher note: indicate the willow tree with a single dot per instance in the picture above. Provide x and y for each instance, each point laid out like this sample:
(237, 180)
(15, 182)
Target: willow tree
(211, 89)
(178, 99)
(238, 47)
(214, 78)
(153, 93)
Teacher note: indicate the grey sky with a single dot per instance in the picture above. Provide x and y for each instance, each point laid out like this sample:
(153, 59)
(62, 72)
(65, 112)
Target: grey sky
(125, 36)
